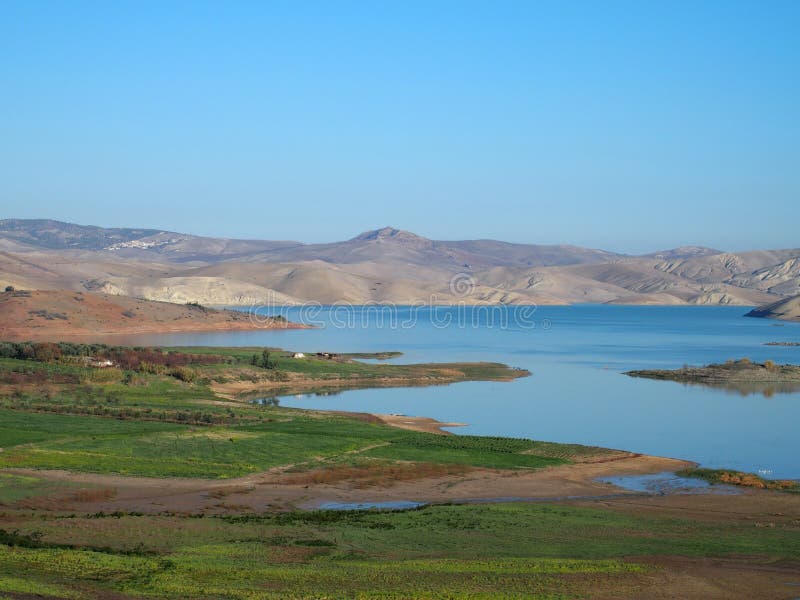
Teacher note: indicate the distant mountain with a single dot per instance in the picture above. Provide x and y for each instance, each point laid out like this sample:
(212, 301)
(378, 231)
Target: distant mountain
(56, 235)
(381, 265)
(45, 234)
(386, 244)
(396, 246)
(684, 252)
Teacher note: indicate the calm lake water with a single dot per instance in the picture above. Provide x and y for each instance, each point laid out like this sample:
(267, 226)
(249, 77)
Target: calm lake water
(576, 392)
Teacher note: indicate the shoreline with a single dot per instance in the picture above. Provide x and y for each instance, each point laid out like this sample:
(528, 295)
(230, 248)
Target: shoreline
(437, 374)
(422, 424)
(278, 489)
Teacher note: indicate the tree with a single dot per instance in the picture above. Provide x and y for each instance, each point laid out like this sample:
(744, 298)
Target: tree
(9, 288)
(265, 361)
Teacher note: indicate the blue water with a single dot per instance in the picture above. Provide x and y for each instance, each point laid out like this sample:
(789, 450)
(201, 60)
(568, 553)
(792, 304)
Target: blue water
(576, 392)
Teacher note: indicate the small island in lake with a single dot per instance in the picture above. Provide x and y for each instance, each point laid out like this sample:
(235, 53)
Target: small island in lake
(742, 370)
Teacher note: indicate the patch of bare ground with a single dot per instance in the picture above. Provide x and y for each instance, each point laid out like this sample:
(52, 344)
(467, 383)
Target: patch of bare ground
(424, 424)
(79, 497)
(276, 489)
(378, 475)
(760, 508)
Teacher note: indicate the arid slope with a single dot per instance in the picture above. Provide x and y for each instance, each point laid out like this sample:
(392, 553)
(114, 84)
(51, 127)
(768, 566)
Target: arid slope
(785, 310)
(56, 314)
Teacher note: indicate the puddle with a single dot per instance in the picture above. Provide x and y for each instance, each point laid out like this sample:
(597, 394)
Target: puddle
(667, 482)
(399, 505)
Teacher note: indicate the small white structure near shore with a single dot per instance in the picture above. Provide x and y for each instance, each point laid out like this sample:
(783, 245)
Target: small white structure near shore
(298, 355)
(98, 363)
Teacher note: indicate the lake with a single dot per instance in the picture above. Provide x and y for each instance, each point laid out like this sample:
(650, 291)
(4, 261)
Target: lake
(576, 392)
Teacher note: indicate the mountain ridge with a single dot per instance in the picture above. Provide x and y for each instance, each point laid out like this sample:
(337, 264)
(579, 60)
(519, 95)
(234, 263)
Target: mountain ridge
(387, 264)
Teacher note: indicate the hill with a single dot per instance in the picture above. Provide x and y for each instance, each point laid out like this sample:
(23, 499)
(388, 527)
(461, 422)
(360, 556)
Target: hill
(785, 310)
(58, 314)
(386, 265)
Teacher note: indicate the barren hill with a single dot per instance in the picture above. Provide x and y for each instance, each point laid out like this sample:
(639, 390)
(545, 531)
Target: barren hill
(57, 314)
(785, 310)
(383, 265)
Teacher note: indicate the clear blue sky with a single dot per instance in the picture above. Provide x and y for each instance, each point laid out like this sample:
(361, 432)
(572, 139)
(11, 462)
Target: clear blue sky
(631, 126)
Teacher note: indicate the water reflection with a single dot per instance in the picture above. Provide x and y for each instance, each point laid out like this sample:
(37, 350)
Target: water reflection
(767, 389)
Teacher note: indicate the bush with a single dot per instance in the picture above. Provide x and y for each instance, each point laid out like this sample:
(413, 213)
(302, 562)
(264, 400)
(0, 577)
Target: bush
(184, 374)
(263, 361)
(151, 368)
(770, 365)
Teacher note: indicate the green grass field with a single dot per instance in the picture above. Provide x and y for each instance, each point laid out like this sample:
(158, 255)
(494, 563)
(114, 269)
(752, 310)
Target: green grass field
(132, 447)
(486, 551)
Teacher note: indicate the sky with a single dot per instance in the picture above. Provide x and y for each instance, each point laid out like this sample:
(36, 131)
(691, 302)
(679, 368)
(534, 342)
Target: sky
(629, 126)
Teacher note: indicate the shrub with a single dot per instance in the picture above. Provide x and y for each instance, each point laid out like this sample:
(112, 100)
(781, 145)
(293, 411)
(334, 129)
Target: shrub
(151, 368)
(183, 373)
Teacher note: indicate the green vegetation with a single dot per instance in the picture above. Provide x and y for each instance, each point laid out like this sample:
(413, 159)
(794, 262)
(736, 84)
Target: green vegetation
(493, 452)
(283, 437)
(483, 551)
